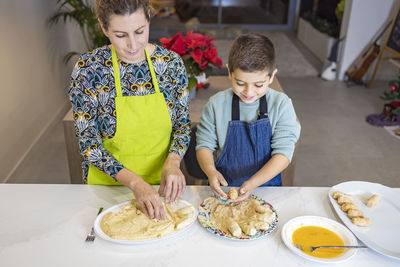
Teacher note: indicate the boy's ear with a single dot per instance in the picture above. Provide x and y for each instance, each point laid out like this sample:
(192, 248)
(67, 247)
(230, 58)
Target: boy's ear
(229, 73)
(271, 79)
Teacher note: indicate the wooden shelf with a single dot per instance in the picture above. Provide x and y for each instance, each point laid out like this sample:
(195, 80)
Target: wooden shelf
(395, 61)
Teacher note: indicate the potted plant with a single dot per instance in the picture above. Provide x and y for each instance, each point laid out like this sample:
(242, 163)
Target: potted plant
(390, 115)
(198, 53)
(81, 12)
(319, 26)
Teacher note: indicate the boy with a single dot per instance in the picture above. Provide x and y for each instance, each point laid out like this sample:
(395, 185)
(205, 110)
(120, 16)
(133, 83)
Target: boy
(250, 128)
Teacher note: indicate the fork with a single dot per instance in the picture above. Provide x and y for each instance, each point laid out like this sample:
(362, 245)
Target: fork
(91, 236)
(312, 249)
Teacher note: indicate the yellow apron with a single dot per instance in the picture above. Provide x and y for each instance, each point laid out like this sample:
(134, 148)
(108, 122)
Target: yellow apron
(143, 132)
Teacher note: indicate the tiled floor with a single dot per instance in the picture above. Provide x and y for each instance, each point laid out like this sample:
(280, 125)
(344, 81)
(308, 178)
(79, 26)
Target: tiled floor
(336, 143)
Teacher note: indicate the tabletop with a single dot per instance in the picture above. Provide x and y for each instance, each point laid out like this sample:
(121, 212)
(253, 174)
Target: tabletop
(45, 225)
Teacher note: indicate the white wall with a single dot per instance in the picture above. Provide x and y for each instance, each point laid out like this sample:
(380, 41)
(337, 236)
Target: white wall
(361, 21)
(33, 78)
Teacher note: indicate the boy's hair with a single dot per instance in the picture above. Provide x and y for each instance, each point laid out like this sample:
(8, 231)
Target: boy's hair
(252, 52)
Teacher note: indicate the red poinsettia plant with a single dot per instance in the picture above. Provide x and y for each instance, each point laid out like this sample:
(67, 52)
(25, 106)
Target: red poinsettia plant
(197, 51)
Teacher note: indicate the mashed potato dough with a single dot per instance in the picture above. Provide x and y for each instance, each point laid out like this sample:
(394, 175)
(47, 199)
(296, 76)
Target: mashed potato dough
(354, 213)
(243, 218)
(130, 223)
(347, 205)
(233, 193)
(372, 200)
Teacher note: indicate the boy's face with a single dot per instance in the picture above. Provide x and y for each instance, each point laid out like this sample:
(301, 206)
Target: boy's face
(250, 86)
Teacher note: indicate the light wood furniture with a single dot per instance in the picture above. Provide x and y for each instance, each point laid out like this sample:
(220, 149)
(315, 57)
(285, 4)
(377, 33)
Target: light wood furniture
(391, 45)
(74, 156)
(217, 83)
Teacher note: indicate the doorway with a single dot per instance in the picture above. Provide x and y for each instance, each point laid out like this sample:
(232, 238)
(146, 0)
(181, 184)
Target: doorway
(250, 14)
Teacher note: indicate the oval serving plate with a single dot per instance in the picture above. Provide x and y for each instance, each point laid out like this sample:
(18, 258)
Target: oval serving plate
(205, 221)
(99, 232)
(298, 222)
(383, 233)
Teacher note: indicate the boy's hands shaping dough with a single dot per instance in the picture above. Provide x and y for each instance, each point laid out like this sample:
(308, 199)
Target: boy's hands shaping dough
(216, 179)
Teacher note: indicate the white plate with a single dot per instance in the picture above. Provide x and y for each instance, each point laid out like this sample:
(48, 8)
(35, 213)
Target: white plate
(205, 220)
(383, 235)
(297, 222)
(99, 232)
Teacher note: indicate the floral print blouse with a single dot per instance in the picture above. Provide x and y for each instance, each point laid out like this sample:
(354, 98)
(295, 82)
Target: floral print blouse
(92, 94)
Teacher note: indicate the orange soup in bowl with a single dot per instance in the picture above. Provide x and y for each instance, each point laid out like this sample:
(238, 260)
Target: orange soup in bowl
(312, 236)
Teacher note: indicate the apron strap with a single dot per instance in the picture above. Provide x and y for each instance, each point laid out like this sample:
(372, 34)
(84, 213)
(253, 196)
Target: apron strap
(153, 74)
(263, 108)
(235, 108)
(117, 79)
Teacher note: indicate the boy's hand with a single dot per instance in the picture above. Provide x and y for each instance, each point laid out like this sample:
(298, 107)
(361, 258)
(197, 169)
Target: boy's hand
(244, 192)
(216, 179)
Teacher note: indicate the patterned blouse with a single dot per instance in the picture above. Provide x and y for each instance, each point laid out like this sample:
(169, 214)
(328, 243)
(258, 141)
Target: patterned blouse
(92, 94)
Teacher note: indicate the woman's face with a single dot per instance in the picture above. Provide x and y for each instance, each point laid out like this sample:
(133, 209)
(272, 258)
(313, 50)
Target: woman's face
(129, 34)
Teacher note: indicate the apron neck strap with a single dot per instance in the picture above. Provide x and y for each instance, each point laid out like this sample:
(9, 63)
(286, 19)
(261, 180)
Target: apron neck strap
(117, 79)
(153, 74)
(263, 108)
(235, 108)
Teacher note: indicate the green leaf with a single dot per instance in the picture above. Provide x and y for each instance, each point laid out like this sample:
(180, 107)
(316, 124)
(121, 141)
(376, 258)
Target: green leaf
(208, 71)
(80, 11)
(192, 83)
(387, 98)
(396, 111)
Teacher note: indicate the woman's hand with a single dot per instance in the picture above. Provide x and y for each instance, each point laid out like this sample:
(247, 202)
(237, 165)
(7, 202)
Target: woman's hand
(145, 194)
(216, 179)
(172, 179)
(149, 200)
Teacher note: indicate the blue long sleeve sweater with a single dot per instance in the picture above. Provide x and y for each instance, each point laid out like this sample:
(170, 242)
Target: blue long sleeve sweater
(215, 117)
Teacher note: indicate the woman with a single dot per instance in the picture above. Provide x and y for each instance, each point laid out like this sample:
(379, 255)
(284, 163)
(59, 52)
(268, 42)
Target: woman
(130, 108)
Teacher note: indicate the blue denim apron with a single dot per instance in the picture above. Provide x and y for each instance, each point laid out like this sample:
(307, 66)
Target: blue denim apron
(247, 147)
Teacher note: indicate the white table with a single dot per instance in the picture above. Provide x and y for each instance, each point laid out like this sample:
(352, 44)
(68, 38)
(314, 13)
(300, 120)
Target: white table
(45, 225)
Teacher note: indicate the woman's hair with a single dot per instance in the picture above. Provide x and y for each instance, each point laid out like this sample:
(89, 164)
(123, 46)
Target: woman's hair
(252, 52)
(105, 8)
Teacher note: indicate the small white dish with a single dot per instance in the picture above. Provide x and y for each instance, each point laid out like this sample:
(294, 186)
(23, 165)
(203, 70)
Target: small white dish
(298, 222)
